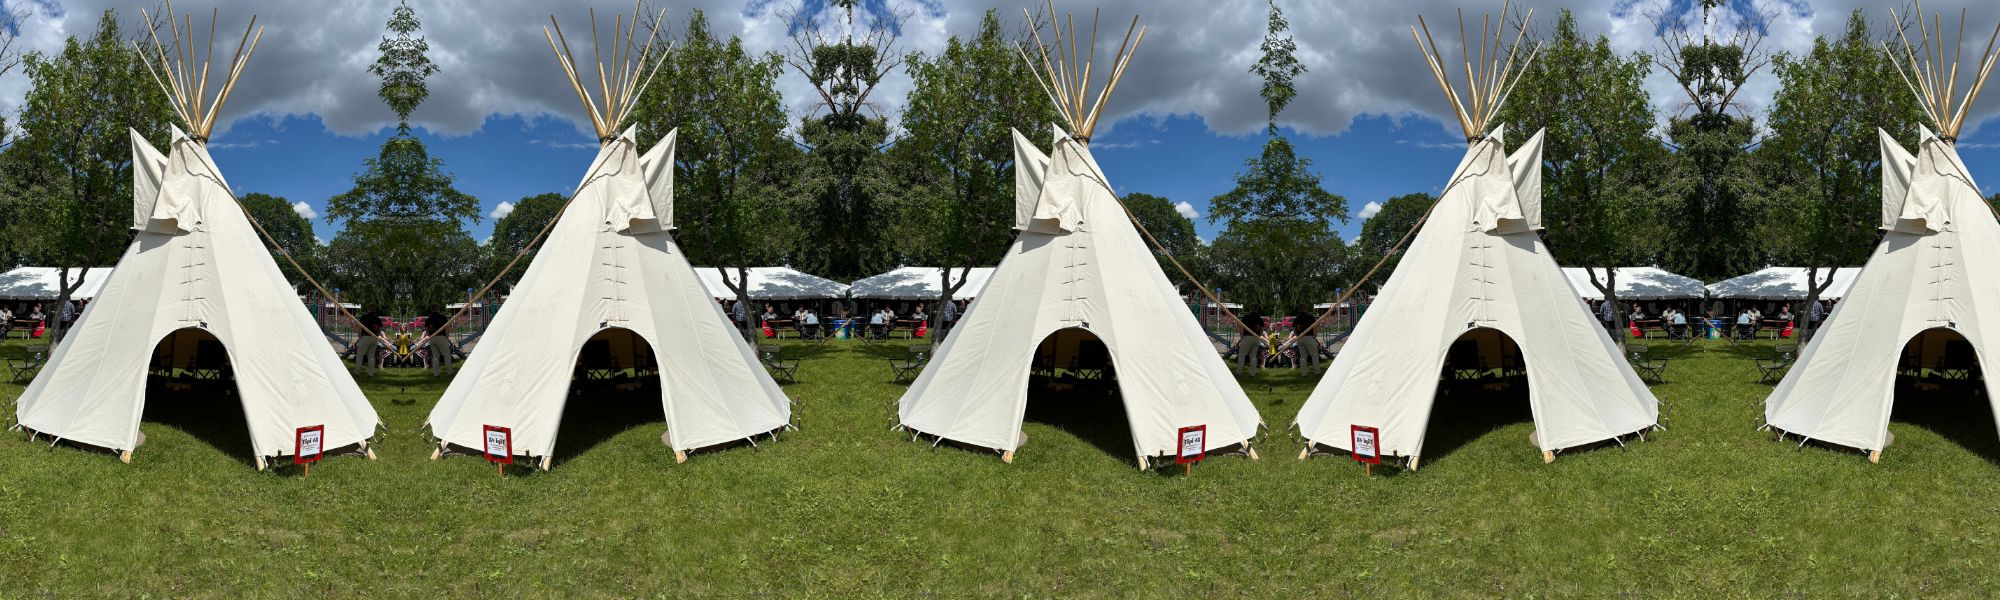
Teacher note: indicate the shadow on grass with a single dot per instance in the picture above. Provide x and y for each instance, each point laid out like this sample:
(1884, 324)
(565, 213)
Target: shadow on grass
(598, 411)
(209, 411)
(1466, 411)
(1094, 413)
(1958, 412)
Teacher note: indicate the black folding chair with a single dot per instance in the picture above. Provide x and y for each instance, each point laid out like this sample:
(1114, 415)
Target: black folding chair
(1649, 369)
(1770, 371)
(908, 367)
(781, 368)
(24, 369)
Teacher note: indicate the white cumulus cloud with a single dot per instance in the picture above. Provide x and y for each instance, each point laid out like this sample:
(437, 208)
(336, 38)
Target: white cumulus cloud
(1368, 211)
(1187, 210)
(501, 211)
(305, 210)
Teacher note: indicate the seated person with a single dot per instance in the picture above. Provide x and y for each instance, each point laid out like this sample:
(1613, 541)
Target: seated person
(809, 324)
(878, 324)
(1677, 324)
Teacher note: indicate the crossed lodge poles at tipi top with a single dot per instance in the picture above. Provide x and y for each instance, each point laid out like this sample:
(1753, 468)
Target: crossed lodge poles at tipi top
(195, 282)
(1478, 275)
(609, 272)
(1930, 291)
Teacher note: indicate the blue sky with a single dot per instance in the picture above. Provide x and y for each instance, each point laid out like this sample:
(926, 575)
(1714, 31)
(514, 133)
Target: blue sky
(505, 122)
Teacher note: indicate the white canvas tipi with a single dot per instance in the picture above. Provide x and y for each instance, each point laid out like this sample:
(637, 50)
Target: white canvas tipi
(195, 272)
(1928, 298)
(1078, 271)
(1477, 272)
(610, 270)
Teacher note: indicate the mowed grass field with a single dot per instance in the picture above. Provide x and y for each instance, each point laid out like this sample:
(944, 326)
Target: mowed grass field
(845, 507)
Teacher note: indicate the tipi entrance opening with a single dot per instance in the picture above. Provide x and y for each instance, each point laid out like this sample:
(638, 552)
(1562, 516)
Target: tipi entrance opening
(1939, 387)
(615, 388)
(1073, 386)
(1482, 387)
(190, 386)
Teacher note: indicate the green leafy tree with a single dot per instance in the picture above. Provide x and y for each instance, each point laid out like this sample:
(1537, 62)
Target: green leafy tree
(733, 161)
(71, 166)
(1380, 233)
(849, 193)
(1822, 163)
(1279, 212)
(403, 247)
(1171, 229)
(955, 162)
(1279, 264)
(403, 65)
(513, 232)
(1711, 178)
(292, 232)
(1598, 156)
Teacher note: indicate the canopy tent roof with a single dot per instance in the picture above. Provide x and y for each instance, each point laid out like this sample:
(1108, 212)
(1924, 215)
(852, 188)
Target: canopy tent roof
(43, 283)
(1637, 283)
(1781, 283)
(773, 283)
(919, 283)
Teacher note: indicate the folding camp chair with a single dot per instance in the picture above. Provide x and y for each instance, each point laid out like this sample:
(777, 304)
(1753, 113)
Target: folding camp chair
(1770, 371)
(781, 368)
(24, 369)
(1649, 368)
(907, 368)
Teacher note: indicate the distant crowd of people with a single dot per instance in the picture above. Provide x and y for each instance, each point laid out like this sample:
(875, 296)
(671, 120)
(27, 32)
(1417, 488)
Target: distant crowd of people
(33, 318)
(1293, 341)
(424, 341)
(1746, 321)
(809, 324)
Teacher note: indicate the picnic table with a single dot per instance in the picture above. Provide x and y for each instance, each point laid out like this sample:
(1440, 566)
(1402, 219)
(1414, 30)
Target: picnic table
(25, 326)
(1649, 325)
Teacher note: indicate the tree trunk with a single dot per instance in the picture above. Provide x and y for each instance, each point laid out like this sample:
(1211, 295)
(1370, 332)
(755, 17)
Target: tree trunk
(741, 288)
(1813, 289)
(937, 311)
(64, 290)
(1609, 288)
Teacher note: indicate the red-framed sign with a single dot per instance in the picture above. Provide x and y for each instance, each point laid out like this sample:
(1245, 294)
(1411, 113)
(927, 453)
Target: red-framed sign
(309, 444)
(499, 444)
(1367, 444)
(1193, 444)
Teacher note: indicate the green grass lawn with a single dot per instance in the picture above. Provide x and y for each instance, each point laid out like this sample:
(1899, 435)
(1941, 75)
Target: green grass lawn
(845, 507)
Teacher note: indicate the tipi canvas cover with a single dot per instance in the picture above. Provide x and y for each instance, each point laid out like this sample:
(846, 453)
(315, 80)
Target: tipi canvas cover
(1479, 264)
(1933, 270)
(1078, 264)
(610, 262)
(196, 263)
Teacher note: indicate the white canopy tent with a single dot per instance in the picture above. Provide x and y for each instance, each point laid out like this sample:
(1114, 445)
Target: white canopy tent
(1636, 283)
(1782, 283)
(773, 283)
(919, 283)
(44, 284)
(1078, 285)
(1930, 291)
